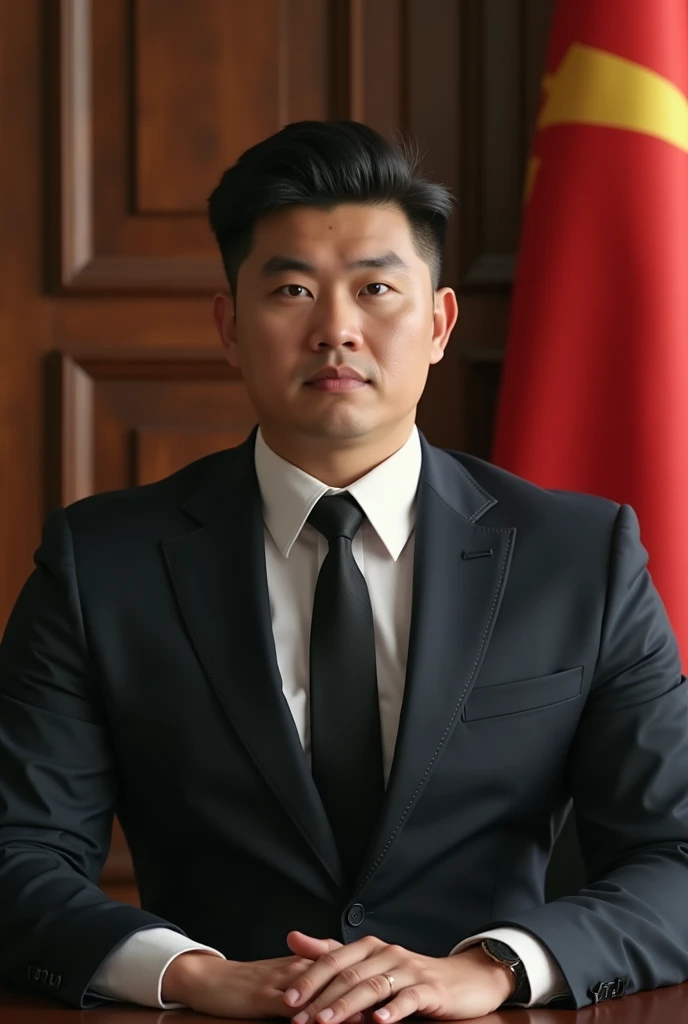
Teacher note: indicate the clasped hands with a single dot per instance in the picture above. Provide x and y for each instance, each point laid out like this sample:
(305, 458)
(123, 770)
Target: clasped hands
(326, 982)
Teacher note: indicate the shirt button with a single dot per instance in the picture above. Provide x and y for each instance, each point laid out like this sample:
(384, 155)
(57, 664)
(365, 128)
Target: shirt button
(356, 914)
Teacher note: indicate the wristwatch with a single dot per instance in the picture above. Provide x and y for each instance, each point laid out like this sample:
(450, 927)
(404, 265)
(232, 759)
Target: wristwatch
(503, 954)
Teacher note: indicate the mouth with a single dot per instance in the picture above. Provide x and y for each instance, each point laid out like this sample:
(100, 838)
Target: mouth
(337, 384)
(337, 379)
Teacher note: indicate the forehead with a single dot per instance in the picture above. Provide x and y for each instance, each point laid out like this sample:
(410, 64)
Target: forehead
(347, 229)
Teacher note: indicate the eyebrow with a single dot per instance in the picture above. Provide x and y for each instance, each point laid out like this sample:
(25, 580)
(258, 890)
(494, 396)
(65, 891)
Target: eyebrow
(278, 264)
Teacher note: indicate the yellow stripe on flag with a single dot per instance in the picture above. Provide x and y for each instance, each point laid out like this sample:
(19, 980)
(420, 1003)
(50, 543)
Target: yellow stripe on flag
(592, 86)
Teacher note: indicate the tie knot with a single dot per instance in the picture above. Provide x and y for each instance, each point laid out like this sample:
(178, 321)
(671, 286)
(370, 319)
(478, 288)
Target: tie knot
(337, 515)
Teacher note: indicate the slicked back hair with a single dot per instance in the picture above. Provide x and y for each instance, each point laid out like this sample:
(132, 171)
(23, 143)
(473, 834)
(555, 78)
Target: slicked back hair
(324, 164)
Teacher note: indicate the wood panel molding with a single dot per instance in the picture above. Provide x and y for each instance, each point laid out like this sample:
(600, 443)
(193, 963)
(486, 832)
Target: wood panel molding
(481, 377)
(501, 55)
(74, 34)
(100, 407)
(71, 432)
(81, 265)
(348, 50)
(133, 158)
(147, 114)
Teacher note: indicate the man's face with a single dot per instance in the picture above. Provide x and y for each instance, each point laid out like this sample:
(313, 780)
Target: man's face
(342, 289)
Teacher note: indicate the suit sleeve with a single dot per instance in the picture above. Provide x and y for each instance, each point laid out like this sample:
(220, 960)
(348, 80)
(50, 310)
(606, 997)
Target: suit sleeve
(58, 790)
(628, 776)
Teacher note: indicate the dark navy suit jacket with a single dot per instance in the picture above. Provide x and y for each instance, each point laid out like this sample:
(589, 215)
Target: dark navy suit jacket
(138, 676)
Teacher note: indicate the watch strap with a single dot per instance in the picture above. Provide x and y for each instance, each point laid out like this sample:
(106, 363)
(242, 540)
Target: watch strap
(521, 993)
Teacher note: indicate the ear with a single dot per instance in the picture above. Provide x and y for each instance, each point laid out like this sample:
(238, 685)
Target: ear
(224, 318)
(444, 318)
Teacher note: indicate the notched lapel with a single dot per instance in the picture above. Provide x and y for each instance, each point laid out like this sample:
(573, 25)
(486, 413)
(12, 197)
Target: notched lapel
(455, 604)
(218, 573)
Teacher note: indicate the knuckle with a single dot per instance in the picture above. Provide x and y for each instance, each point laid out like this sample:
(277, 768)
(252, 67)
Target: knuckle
(399, 951)
(341, 1006)
(378, 985)
(330, 960)
(305, 985)
(351, 976)
(413, 993)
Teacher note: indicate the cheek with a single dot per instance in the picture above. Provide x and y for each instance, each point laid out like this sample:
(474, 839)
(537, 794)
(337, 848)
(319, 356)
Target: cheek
(266, 352)
(404, 349)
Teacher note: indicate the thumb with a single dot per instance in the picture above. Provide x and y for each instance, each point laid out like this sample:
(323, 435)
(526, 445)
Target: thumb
(309, 947)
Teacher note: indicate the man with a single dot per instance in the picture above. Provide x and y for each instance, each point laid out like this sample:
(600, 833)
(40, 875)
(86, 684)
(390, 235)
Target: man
(340, 686)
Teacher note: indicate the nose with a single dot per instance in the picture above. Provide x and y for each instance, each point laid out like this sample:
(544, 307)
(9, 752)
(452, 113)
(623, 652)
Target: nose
(335, 325)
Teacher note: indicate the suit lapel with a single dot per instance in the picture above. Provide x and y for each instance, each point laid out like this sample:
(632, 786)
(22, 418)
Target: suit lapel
(457, 591)
(218, 574)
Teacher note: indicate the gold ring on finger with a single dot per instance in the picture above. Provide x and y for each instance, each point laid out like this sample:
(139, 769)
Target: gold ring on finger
(390, 981)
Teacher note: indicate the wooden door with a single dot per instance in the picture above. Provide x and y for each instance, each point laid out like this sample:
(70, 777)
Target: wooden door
(116, 119)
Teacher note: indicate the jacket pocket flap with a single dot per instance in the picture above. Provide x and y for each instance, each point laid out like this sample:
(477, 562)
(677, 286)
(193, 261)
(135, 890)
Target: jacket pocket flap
(523, 695)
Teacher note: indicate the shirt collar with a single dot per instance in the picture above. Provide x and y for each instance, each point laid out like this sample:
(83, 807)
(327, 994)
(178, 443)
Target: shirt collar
(386, 494)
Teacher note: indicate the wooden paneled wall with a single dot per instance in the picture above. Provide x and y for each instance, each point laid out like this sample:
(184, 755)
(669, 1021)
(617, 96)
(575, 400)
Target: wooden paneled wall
(116, 120)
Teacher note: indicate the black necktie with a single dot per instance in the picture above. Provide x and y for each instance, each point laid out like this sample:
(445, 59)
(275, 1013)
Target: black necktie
(346, 747)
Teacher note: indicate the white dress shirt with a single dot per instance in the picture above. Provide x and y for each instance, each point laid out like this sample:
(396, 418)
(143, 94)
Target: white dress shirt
(294, 551)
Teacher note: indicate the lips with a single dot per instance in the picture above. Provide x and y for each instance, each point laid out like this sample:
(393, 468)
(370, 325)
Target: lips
(337, 373)
(337, 378)
(337, 384)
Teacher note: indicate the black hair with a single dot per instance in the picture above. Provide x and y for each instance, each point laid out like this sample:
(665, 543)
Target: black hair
(323, 164)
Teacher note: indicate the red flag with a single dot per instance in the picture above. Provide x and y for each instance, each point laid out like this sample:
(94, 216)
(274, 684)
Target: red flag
(594, 393)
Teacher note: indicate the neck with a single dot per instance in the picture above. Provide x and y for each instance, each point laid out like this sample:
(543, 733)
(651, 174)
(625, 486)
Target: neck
(334, 461)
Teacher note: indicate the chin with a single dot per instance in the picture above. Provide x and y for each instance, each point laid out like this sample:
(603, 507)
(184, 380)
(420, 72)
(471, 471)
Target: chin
(340, 427)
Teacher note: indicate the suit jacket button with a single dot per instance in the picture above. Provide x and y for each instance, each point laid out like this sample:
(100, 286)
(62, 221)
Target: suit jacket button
(356, 914)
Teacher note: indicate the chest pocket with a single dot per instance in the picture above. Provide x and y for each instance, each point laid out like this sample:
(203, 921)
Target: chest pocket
(523, 695)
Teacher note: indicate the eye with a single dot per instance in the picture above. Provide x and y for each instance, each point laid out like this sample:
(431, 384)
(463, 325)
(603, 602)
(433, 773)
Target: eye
(293, 291)
(377, 285)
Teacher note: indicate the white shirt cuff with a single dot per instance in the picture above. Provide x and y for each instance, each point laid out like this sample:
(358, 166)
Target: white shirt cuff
(545, 978)
(134, 972)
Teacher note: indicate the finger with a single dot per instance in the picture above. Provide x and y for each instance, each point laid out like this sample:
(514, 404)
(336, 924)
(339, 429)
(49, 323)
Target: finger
(369, 993)
(414, 999)
(286, 976)
(308, 946)
(283, 976)
(356, 988)
(283, 961)
(329, 966)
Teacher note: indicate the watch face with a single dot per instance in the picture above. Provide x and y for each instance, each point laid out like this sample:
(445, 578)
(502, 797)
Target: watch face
(503, 951)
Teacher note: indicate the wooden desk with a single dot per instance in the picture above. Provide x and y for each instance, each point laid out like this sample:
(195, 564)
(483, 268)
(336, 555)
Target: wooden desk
(663, 1006)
